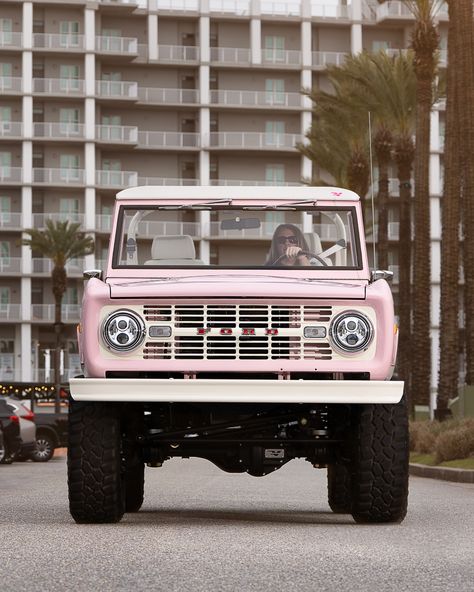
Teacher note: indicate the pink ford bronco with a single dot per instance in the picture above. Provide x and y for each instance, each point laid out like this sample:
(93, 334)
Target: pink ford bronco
(241, 325)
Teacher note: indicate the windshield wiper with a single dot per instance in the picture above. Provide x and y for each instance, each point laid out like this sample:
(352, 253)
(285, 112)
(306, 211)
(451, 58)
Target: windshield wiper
(293, 204)
(205, 204)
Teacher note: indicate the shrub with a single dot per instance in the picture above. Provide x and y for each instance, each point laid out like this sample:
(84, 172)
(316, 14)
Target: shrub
(455, 443)
(443, 439)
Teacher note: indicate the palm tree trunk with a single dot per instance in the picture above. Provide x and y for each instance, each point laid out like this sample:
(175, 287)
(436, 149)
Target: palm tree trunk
(449, 314)
(59, 279)
(383, 148)
(404, 154)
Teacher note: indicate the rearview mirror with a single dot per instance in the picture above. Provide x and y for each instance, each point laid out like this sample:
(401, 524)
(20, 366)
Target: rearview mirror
(239, 223)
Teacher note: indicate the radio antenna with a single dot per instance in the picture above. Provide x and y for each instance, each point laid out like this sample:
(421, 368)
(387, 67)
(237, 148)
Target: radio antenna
(372, 189)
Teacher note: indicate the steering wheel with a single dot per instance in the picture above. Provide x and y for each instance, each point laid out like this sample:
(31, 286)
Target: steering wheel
(308, 254)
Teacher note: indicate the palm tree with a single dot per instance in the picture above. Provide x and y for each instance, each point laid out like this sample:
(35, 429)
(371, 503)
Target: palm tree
(60, 242)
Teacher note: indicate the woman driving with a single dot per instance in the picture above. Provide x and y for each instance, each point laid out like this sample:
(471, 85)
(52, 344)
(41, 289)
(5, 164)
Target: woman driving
(288, 247)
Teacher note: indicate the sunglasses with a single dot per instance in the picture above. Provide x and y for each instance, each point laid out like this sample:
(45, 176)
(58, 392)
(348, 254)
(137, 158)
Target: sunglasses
(293, 240)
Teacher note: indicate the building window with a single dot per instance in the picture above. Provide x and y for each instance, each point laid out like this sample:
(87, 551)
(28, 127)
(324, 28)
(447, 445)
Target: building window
(274, 91)
(275, 174)
(5, 209)
(69, 121)
(274, 48)
(6, 28)
(112, 172)
(69, 165)
(380, 45)
(111, 39)
(69, 34)
(69, 209)
(111, 127)
(274, 133)
(6, 81)
(71, 295)
(5, 165)
(113, 82)
(69, 77)
(5, 119)
(4, 298)
(5, 252)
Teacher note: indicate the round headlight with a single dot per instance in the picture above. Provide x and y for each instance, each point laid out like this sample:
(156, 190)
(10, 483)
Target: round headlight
(351, 332)
(123, 330)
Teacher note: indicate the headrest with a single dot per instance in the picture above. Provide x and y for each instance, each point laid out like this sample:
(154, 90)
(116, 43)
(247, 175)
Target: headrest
(314, 242)
(173, 247)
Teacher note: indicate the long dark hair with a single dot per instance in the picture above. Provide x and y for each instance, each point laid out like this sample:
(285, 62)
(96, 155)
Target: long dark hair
(273, 255)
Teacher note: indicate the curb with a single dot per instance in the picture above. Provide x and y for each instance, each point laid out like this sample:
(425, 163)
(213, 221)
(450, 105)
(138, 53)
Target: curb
(442, 473)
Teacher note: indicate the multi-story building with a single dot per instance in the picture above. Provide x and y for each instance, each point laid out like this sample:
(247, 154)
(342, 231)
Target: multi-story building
(101, 95)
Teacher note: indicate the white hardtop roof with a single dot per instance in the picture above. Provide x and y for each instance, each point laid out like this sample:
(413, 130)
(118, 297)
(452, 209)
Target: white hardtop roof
(225, 192)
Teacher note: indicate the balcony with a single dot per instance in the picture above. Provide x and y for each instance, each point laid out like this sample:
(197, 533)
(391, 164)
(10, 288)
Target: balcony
(58, 42)
(178, 53)
(11, 129)
(116, 179)
(39, 220)
(253, 183)
(231, 55)
(168, 140)
(168, 96)
(181, 5)
(114, 89)
(255, 140)
(10, 312)
(167, 181)
(322, 59)
(60, 177)
(11, 85)
(233, 7)
(10, 40)
(44, 266)
(58, 131)
(10, 265)
(64, 87)
(116, 134)
(393, 230)
(154, 228)
(103, 222)
(126, 46)
(397, 10)
(11, 175)
(280, 8)
(281, 57)
(11, 220)
(250, 98)
(323, 10)
(124, 3)
(45, 312)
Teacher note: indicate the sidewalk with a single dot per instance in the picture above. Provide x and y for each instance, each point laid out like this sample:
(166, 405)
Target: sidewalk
(442, 473)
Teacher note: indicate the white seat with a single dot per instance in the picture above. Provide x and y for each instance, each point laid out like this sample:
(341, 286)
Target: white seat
(173, 250)
(315, 247)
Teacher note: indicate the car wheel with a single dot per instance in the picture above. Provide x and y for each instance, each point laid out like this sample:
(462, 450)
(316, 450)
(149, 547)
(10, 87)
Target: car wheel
(134, 487)
(44, 450)
(339, 488)
(3, 451)
(379, 474)
(95, 478)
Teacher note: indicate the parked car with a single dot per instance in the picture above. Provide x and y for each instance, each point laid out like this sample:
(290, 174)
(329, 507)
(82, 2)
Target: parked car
(51, 433)
(10, 440)
(26, 421)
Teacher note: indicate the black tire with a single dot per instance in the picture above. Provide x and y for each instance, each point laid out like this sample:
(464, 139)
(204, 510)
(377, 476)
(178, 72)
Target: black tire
(3, 450)
(44, 450)
(95, 478)
(379, 474)
(339, 488)
(134, 487)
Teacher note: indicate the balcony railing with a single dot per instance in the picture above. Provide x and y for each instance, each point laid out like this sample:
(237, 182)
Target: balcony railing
(131, 3)
(10, 312)
(103, 222)
(167, 181)
(39, 220)
(10, 265)
(116, 179)
(115, 89)
(11, 175)
(289, 57)
(56, 130)
(117, 133)
(116, 45)
(10, 39)
(250, 98)
(325, 58)
(43, 265)
(268, 141)
(45, 312)
(11, 85)
(168, 139)
(11, 220)
(280, 8)
(324, 10)
(58, 41)
(168, 96)
(153, 228)
(254, 183)
(58, 176)
(59, 86)
(231, 55)
(181, 5)
(178, 53)
(398, 9)
(235, 7)
(11, 129)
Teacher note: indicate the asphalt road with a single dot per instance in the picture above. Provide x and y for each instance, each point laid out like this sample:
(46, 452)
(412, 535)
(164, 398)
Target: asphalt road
(203, 530)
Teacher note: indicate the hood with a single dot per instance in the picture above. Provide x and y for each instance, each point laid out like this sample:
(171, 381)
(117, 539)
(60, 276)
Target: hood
(236, 286)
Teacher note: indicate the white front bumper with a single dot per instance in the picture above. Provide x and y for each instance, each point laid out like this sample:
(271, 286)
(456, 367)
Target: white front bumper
(235, 391)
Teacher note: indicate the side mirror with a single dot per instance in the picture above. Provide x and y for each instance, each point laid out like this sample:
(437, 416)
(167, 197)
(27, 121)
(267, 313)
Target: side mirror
(381, 274)
(92, 273)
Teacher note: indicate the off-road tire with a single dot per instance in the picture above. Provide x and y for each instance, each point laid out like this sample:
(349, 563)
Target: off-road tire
(339, 488)
(379, 473)
(134, 487)
(95, 476)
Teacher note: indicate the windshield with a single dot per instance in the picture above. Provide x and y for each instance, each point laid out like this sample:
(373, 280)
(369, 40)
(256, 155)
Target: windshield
(233, 237)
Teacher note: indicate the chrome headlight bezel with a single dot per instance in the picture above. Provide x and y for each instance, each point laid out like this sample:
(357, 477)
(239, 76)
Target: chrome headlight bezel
(135, 330)
(362, 321)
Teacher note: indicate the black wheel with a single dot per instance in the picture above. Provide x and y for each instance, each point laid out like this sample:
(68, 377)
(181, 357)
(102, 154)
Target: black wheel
(95, 478)
(380, 471)
(339, 488)
(134, 487)
(44, 450)
(134, 465)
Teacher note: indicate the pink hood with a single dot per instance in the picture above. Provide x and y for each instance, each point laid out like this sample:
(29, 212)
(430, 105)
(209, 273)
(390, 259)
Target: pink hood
(236, 285)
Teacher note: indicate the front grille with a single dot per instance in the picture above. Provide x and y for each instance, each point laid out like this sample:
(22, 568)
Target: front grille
(186, 319)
